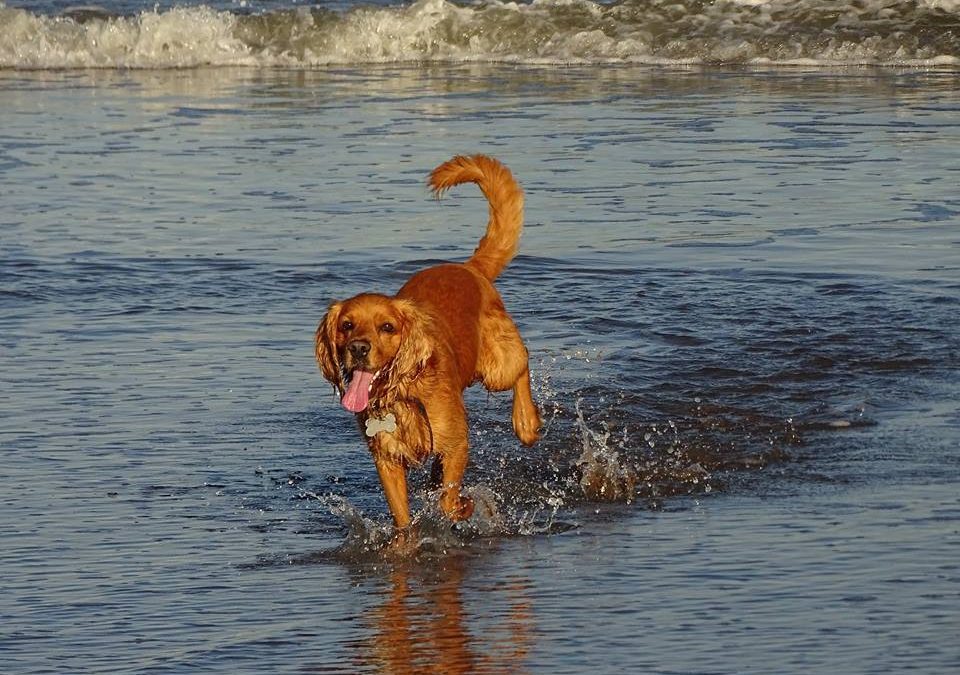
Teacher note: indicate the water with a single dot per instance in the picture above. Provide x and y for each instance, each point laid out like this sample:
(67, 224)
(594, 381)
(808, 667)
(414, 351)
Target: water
(138, 34)
(739, 287)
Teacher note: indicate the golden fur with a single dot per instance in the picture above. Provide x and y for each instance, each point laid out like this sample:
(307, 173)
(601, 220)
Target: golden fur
(445, 329)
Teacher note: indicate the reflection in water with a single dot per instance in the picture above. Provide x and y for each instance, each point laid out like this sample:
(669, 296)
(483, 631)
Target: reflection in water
(217, 90)
(428, 622)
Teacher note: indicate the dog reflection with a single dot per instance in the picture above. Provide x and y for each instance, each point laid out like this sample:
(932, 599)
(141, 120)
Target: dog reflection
(423, 625)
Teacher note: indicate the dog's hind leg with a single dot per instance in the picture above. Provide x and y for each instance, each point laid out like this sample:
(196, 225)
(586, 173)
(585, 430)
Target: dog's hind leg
(452, 467)
(451, 437)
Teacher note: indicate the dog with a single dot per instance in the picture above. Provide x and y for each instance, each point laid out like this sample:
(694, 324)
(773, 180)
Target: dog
(401, 363)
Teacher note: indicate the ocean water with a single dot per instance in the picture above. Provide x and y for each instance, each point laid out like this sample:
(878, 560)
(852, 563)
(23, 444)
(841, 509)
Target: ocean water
(739, 283)
(161, 33)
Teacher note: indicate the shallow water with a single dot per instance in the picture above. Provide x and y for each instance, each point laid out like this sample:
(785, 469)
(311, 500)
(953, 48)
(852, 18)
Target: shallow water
(739, 288)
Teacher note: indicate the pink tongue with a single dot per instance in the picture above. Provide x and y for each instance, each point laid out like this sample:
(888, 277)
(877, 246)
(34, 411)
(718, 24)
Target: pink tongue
(356, 398)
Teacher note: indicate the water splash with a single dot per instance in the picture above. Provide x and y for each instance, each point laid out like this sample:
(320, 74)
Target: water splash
(604, 444)
(604, 476)
(430, 535)
(662, 462)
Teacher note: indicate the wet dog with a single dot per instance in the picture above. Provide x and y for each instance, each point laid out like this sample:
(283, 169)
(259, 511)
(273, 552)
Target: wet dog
(402, 362)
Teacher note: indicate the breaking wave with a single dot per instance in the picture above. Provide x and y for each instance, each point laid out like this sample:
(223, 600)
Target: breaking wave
(787, 32)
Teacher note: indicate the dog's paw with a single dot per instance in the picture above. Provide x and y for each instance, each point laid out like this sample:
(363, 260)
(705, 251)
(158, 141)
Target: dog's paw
(466, 509)
(526, 425)
(456, 507)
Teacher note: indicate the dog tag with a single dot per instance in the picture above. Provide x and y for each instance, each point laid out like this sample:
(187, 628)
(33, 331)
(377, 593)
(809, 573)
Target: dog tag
(386, 423)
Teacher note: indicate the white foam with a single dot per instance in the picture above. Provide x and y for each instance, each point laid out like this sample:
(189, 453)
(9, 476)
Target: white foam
(181, 37)
(541, 32)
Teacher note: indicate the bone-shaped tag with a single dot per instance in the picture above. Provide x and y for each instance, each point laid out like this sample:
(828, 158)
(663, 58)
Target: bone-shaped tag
(375, 425)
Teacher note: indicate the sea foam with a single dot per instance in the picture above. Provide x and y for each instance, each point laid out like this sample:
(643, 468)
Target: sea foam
(804, 32)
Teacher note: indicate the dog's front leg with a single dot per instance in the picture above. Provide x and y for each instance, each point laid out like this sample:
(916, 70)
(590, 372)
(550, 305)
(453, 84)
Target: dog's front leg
(393, 477)
(526, 418)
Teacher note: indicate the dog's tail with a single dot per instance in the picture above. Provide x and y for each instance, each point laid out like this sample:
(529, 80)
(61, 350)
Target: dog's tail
(499, 244)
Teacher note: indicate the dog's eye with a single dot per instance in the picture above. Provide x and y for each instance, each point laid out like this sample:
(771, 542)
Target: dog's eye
(346, 326)
(388, 328)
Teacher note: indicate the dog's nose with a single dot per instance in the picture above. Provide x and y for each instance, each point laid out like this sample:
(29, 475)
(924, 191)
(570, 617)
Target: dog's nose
(359, 349)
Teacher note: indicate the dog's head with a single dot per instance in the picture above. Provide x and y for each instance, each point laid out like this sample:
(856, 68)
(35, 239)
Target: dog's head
(371, 342)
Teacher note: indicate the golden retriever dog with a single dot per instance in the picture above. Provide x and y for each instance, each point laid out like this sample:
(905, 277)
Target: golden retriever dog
(402, 362)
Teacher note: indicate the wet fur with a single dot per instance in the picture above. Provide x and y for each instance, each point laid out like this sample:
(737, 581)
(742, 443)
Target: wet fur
(444, 330)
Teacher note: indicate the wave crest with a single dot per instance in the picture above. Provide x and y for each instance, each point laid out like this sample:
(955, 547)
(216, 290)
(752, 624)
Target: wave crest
(542, 32)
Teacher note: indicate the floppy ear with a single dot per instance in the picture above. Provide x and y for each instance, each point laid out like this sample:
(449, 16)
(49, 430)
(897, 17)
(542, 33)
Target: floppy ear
(416, 347)
(326, 349)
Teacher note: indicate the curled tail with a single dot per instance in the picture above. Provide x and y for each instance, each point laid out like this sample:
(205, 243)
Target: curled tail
(505, 197)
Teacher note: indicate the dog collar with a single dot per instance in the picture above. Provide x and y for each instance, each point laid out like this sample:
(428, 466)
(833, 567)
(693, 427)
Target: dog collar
(386, 423)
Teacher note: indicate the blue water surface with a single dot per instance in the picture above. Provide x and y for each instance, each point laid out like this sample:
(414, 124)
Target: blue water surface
(739, 289)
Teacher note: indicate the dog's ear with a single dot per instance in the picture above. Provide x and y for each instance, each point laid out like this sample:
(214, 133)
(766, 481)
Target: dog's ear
(416, 347)
(325, 346)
